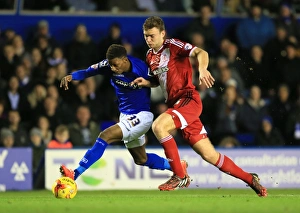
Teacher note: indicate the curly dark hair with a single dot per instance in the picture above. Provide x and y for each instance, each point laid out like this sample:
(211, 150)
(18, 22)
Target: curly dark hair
(115, 51)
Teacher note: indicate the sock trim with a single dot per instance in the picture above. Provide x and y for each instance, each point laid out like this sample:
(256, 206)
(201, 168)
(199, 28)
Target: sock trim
(165, 139)
(220, 161)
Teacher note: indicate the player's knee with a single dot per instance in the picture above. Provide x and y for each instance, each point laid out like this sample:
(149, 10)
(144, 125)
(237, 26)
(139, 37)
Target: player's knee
(156, 127)
(105, 136)
(140, 161)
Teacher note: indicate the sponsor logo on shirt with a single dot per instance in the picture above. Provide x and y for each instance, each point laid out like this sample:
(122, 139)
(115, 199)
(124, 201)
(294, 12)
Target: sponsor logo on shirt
(188, 46)
(103, 63)
(160, 70)
(126, 84)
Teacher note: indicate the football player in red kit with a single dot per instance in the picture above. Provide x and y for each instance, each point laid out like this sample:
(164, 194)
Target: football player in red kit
(169, 63)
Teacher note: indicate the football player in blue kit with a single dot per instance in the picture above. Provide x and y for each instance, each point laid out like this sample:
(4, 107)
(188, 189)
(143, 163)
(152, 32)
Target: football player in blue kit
(134, 105)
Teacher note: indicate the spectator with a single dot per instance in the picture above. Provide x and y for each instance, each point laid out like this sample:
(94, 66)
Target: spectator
(18, 128)
(36, 98)
(275, 53)
(57, 57)
(244, 7)
(8, 62)
(229, 142)
(257, 71)
(52, 91)
(116, 6)
(7, 138)
(25, 81)
(8, 35)
(83, 98)
(146, 5)
(16, 99)
(84, 131)
(51, 77)
(114, 37)
(230, 7)
(54, 5)
(293, 126)
(288, 20)
(280, 107)
(252, 112)
(208, 115)
(52, 113)
(197, 39)
(256, 29)
(20, 49)
(3, 116)
(81, 5)
(38, 152)
(228, 108)
(44, 46)
(290, 69)
(61, 138)
(268, 135)
(204, 26)
(168, 6)
(42, 29)
(227, 76)
(81, 51)
(44, 126)
(39, 65)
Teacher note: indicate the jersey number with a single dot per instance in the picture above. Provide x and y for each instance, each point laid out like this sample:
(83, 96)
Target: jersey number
(134, 120)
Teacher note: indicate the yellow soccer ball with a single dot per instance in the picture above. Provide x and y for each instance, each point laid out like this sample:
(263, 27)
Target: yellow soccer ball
(65, 188)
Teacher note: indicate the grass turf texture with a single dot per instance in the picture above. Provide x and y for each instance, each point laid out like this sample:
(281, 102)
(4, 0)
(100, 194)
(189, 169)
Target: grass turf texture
(130, 201)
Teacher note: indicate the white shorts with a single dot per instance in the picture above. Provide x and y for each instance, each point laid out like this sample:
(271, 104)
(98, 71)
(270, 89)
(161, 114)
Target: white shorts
(134, 128)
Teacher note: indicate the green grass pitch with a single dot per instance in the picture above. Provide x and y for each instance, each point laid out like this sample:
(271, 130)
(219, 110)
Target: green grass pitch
(152, 201)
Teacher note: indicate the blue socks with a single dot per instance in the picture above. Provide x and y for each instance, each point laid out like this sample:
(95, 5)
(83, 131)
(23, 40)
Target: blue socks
(95, 153)
(91, 156)
(156, 162)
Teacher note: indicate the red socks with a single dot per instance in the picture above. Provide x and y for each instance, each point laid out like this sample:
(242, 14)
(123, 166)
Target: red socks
(171, 152)
(226, 165)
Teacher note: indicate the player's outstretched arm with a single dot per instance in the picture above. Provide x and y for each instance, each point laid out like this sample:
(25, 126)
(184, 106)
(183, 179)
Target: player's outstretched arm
(65, 81)
(82, 74)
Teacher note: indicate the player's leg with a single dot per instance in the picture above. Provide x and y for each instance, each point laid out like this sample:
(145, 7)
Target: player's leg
(134, 128)
(151, 160)
(109, 135)
(207, 151)
(162, 127)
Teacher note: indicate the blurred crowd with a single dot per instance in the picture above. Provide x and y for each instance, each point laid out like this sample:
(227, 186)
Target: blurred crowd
(116, 6)
(255, 100)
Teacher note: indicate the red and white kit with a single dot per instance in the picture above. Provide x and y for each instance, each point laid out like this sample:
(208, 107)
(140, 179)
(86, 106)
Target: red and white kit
(174, 72)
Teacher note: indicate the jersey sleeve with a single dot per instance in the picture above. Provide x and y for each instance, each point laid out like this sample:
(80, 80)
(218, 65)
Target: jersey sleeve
(181, 48)
(94, 69)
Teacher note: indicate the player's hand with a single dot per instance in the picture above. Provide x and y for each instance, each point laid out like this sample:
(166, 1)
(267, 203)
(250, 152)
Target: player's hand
(65, 81)
(206, 78)
(141, 82)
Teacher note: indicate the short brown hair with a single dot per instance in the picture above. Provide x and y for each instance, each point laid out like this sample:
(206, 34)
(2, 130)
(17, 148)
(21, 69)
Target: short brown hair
(154, 21)
(61, 129)
(116, 51)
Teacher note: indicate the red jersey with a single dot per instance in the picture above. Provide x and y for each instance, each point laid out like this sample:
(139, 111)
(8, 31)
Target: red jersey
(172, 67)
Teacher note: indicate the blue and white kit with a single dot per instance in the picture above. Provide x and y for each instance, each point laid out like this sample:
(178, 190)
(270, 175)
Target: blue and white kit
(133, 102)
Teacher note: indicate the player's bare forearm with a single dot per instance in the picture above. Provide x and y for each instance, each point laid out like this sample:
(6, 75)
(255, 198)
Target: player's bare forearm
(203, 60)
(202, 57)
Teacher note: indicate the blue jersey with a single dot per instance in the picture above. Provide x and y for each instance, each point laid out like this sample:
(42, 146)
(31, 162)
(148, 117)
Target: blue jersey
(131, 99)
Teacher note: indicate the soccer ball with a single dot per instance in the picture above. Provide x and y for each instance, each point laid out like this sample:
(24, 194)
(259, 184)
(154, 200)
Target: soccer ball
(65, 188)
